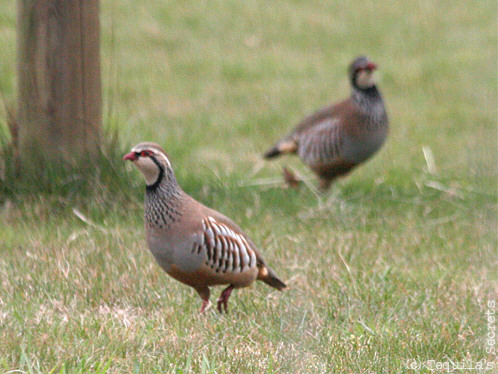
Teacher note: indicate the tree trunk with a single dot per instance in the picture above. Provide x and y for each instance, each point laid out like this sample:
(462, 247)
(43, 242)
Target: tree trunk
(60, 98)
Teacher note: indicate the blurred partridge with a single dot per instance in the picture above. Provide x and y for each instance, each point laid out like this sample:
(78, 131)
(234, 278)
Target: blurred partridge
(341, 136)
(194, 244)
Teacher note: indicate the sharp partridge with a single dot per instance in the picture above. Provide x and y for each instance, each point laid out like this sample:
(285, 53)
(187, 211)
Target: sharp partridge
(338, 137)
(194, 244)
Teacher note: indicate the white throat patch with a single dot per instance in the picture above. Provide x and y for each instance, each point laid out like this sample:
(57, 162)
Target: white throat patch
(149, 169)
(365, 79)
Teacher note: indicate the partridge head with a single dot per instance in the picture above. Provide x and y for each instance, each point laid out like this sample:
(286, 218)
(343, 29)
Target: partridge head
(361, 73)
(194, 244)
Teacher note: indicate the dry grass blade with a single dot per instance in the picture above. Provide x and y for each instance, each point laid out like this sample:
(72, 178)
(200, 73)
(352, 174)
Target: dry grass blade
(86, 220)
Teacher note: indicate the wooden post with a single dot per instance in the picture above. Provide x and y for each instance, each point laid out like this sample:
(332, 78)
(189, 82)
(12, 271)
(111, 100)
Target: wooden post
(59, 84)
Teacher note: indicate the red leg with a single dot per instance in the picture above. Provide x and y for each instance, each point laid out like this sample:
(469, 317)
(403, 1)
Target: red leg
(205, 304)
(204, 294)
(290, 178)
(324, 184)
(223, 300)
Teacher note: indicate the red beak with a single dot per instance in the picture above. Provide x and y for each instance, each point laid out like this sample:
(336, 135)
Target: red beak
(130, 156)
(371, 66)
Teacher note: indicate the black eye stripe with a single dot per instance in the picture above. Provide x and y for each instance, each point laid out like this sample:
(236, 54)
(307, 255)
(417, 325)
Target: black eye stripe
(154, 159)
(145, 153)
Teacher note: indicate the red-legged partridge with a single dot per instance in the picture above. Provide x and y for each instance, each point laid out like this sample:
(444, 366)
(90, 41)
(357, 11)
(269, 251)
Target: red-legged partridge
(194, 244)
(338, 137)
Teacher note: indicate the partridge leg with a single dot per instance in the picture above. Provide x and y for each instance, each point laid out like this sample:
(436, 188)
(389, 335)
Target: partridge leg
(204, 294)
(290, 178)
(324, 184)
(223, 300)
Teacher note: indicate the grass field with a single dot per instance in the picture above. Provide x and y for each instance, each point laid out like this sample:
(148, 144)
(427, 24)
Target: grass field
(397, 263)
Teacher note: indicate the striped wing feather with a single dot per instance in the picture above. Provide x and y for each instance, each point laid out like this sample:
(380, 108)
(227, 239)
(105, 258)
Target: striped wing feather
(321, 143)
(227, 252)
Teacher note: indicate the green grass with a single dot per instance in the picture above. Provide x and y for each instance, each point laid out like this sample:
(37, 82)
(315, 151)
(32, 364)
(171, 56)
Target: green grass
(397, 263)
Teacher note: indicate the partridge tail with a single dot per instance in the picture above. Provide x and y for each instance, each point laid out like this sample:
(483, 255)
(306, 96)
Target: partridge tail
(272, 152)
(268, 276)
(288, 145)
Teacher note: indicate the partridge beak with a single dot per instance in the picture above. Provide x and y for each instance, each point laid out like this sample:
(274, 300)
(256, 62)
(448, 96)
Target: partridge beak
(130, 156)
(371, 66)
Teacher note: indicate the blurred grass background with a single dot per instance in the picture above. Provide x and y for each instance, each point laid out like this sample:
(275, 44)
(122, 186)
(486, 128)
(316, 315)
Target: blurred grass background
(396, 263)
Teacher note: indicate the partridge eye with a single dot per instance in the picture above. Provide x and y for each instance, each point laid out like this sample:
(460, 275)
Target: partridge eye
(145, 153)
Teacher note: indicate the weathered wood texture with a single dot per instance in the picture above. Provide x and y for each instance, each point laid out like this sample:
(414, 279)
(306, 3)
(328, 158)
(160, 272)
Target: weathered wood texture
(59, 83)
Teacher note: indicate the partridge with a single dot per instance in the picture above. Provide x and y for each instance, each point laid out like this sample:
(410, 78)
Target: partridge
(339, 137)
(194, 244)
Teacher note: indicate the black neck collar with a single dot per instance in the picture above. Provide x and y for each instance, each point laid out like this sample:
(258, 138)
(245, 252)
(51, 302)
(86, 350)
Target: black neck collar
(370, 92)
(160, 177)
